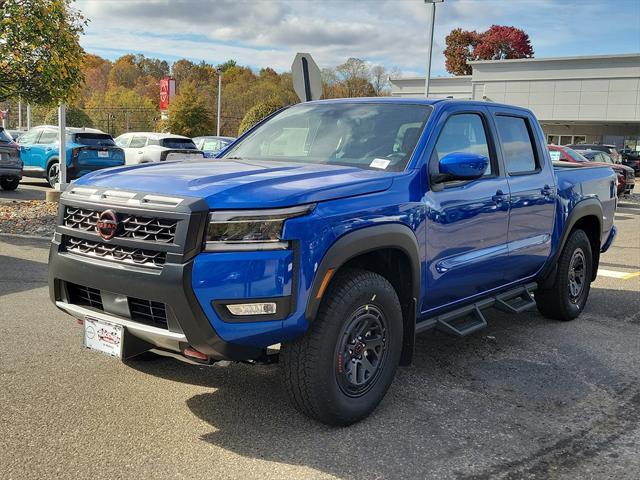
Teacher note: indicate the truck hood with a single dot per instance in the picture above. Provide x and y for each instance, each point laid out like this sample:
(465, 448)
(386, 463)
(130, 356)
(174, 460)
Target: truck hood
(229, 184)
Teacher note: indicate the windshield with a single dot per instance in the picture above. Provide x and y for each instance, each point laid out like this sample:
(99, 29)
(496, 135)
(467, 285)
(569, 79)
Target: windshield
(180, 143)
(575, 155)
(93, 139)
(364, 135)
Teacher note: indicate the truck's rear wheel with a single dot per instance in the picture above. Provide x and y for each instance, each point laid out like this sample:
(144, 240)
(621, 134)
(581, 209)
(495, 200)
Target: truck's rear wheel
(341, 368)
(566, 299)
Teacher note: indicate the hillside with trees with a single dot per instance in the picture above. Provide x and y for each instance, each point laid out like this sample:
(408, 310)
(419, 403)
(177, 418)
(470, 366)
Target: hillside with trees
(123, 95)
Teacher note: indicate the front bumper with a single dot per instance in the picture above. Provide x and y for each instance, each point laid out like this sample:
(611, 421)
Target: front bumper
(186, 322)
(117, 283)
(11, 172)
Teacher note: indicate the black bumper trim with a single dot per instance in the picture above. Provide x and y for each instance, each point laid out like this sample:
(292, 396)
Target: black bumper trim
(171, 286)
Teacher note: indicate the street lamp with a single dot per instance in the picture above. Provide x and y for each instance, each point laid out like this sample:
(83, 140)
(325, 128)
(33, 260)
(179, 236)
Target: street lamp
(219, 72)
(432, 21)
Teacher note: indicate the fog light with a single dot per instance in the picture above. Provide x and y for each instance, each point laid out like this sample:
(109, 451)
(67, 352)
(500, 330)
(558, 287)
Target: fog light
(242, 309)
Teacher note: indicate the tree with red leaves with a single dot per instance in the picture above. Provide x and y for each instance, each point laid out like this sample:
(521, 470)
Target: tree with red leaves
(498, 43)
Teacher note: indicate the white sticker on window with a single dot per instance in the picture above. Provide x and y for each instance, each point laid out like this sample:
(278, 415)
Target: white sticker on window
(380, 163)
(555, 155)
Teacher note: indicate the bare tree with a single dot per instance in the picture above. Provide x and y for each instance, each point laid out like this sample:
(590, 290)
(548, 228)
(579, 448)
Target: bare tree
(379, 79)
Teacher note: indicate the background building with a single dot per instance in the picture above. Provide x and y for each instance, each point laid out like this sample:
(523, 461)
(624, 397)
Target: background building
(593, 99)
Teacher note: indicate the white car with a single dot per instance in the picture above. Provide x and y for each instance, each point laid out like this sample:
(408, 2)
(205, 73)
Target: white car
(145, 147)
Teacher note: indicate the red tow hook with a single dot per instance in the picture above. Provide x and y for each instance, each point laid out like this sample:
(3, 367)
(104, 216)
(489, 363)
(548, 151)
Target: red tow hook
(195, 354)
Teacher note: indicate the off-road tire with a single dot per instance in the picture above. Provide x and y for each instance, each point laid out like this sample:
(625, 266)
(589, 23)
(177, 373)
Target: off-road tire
(558, 302)
(313, 372)
(11, 183)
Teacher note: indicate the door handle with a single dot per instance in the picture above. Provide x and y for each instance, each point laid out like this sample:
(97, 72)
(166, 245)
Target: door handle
(499, 197)
(547, 191)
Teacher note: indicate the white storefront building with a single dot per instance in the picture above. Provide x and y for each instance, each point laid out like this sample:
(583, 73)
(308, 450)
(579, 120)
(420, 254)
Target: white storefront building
(593, 99)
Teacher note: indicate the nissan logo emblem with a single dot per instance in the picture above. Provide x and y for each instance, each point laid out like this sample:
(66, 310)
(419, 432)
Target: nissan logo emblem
(107, 224)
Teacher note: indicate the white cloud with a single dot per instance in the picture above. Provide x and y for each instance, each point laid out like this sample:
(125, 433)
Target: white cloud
(392, 32)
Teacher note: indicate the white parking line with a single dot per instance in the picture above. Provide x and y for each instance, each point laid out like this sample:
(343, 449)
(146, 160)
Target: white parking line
(614, 274)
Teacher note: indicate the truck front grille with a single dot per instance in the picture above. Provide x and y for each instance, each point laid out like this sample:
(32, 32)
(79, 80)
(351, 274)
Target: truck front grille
(147, 312)
(133, 226)
(115, 253)
(86, 296)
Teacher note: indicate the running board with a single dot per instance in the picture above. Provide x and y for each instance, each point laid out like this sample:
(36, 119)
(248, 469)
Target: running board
(460, 323)
(469, 319)
(516, 301)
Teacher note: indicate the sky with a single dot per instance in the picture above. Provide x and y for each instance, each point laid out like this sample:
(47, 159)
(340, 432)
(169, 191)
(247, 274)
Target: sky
(393, 33)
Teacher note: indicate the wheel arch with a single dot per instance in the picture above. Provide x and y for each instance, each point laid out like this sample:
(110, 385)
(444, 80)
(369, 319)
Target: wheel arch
(390, 250)
(585, 215)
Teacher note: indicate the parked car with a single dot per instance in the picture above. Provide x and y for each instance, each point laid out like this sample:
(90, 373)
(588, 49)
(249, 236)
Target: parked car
(212, 146)
(10, 163)
(609, 149)
(87, 150)
(333, 231)
(631, 158)
(626, 177)
(145, 147)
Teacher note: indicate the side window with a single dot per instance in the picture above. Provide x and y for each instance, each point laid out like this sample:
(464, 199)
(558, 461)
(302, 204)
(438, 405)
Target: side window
(30, 137)
(462, 133)
(48, 137)
(138, 142)
(517, 145)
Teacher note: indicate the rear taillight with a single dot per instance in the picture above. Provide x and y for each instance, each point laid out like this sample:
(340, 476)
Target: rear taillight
(74, 153)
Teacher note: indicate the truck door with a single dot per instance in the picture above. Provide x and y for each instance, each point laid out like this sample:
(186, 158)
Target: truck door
(467, 222)
(533, 191)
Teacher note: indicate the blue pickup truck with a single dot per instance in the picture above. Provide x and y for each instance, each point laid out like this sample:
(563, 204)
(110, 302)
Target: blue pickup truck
(87, 150)
(327, 237)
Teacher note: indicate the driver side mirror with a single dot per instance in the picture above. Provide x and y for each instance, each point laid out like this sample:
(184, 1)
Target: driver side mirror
(461, 166)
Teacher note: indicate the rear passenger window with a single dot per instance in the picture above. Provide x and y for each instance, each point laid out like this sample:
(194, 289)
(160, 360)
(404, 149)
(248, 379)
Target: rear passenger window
(462, 133)
(48, 136)
(517, 145)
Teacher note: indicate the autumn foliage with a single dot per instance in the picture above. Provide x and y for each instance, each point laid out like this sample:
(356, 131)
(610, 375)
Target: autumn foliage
(497, 43)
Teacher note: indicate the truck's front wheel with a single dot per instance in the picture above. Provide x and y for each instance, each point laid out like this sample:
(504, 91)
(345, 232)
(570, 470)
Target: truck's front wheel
(568, 295)
(341, 368)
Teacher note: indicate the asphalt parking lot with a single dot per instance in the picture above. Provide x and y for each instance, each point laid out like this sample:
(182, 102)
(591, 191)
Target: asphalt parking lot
(525, 398)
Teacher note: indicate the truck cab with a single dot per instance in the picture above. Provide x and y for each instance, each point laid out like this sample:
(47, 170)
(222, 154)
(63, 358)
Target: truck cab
(327, 237)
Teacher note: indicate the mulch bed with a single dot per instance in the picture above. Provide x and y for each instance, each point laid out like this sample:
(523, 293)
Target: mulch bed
(32, 217)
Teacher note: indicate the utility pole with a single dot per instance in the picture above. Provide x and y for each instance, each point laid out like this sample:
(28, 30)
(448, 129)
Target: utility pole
(20, 113)
(62, 149)
(219, 101)
(28, 116)
(432, 23)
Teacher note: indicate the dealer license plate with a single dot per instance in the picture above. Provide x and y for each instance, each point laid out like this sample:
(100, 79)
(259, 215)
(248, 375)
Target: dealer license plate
(103, 337)
(103, 154)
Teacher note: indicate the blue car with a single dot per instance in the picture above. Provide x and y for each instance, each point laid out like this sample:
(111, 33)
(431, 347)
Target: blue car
(212, 146)
(87, 149)
(327, 237)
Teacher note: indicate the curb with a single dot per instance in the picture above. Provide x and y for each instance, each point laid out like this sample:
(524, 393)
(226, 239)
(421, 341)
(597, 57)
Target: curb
(21, 235)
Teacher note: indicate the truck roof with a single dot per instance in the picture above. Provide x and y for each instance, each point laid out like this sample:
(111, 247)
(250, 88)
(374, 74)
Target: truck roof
(419, 101)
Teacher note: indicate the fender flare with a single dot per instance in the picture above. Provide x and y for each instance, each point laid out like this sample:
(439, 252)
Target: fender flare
(584, 208)
(361, 241)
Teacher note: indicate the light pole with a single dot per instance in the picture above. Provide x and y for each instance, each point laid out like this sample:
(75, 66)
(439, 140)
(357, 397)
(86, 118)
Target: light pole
(219, 101)
(432, 22)
(62, 148)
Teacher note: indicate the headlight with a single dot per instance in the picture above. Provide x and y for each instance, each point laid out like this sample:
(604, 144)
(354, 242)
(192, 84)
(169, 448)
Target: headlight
(250, 229)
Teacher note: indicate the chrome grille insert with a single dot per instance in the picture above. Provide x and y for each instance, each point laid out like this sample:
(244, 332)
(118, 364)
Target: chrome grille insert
(115, 253)
(133, 226)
